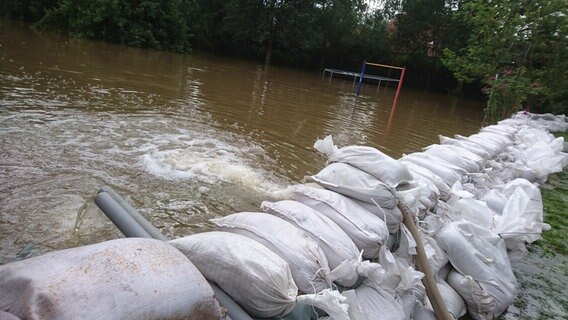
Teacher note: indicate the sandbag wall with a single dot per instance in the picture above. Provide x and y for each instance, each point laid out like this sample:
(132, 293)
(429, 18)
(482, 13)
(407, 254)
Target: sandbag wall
(475, 199)
(339, 244)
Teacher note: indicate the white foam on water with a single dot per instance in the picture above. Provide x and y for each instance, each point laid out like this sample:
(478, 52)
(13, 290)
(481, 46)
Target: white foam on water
(210, 161)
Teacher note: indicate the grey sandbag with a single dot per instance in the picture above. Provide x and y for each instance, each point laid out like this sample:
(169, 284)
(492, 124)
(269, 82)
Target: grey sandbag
(350, 181)
(391, 217)
(368, 232)
(118, 279)
(255, 277)
(480, 253)
(307, 261)
(368, 159)
(339, 249)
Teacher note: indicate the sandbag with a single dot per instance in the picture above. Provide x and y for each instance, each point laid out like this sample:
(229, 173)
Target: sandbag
(117, 279)
(255, 277)
(367, 159)
(437, 257)
(335, 243)
(522, 215)
(454, 303)
(474, 211)
(480, 304)
(391, 217)
(446, 171)
(367, 231)
(457, 156)
(490, 142)
(417, 196)
(401, 279)
(368, 302)
(307, 261)
(481, 254)
(377, 296)
(350, 181)
(431, 179)
(468, 145)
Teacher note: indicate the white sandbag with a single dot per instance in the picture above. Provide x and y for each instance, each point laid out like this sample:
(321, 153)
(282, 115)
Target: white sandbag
(446, 171)
(522, 216)
(402, 279)
(367, 159)
(307, 261)
(335, 243)
(417, 196)
(480, 304)
(495, 200)
(454, 303)
(8, 316)
(391, 217)
(468, 145)
(552, 125)
(423, 313)
(376, 297)
(367, 231)
(117, 279)
(481, 254)
(431, 179)
(474, 211)
(509, 131)
(543, 158)
(457, 156)
(529, 135)
(487, 141)
(368, 302)
(437, 257)
(256, 278)
(350, 181)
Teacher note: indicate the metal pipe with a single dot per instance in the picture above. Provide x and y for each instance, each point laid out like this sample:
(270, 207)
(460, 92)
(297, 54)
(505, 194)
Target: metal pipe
(120, 217)
(153, 231)
(400, 81)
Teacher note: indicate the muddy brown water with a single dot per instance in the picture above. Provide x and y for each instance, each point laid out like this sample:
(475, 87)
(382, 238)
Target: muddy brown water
(184, 137)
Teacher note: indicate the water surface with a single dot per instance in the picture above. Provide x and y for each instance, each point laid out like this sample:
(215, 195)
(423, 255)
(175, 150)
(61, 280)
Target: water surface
(184, 138)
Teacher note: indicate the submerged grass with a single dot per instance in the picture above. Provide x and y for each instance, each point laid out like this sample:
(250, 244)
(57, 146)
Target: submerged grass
(555, 202)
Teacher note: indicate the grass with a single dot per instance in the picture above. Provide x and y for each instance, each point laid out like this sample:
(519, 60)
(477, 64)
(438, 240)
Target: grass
(555, 202)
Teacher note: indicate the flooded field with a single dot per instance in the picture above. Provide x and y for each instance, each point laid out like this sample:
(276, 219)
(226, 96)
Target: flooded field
(184, 138)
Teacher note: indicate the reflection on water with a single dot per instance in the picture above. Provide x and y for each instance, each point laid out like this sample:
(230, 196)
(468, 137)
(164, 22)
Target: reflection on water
(183, 137)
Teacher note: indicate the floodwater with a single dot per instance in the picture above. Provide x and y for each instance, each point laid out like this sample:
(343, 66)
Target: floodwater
(186, 138)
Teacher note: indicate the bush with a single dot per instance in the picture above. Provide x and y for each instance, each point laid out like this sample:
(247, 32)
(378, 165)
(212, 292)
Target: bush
(150, 24)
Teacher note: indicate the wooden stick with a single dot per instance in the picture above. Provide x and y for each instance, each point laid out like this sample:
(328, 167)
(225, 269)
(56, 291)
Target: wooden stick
(423, 266)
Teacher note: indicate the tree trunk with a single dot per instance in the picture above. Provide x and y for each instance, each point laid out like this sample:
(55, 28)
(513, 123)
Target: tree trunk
(268, 56)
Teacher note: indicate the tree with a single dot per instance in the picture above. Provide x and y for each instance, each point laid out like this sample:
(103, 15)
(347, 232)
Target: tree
(518, 49)
(148, 23)
(421, 30)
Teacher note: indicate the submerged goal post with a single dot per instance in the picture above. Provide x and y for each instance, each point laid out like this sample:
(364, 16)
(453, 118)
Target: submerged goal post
(400, 80)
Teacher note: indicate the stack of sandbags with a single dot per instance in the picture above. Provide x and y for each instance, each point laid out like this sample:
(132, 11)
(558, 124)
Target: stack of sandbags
(342, 254)
(366, 230)
(365, 174)
(259, 280)
(482, 255)
(307, 261)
